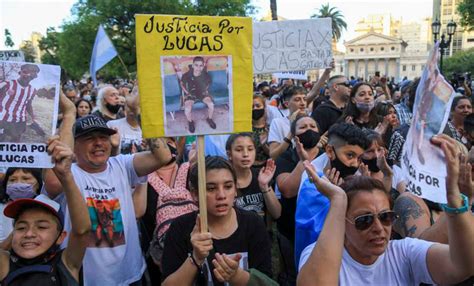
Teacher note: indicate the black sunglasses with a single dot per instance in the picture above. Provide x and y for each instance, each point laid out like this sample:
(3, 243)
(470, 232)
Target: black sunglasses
(363, 222)
(346, 84)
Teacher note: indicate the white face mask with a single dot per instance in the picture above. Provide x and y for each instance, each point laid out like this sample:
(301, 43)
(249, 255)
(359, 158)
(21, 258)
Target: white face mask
(365, 107)
(87, 97)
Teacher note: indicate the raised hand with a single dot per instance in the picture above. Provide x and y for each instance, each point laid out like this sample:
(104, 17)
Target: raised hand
(201, 242)
(364, 170)
(324, 186)
(61, 155)
(382, 163)
(266, 174)
(333, 176)
(466, 181)
(302, 154)
(226, 267)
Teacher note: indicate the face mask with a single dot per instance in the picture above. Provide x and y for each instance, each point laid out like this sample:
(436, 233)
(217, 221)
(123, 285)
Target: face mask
(309, 138)
(266, 93)
(20, 191)
(344, 170)
(112, 108)
(87, 97)
(372, 164)
(174, 153)
(257, 113)
(365, 107)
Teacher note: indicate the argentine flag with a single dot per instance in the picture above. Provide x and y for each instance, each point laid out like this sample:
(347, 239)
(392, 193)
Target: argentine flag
(103, 52)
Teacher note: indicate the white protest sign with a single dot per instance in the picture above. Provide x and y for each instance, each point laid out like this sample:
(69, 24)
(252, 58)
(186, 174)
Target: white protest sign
(423, 164)
(29, 97)
(280, 46)
(302, 75)
(13, 56)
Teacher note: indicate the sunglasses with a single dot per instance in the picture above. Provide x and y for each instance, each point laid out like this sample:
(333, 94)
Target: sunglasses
(363, 222)
(346, 84)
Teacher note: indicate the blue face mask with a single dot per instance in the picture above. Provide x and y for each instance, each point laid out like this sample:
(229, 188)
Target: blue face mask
(87, 97)
(20, 191)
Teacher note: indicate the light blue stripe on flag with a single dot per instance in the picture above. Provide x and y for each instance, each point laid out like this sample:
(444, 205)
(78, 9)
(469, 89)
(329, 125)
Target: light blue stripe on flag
(103, 52)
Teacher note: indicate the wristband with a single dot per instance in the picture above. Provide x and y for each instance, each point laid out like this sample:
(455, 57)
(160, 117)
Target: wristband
(268, 190)
(464, 208)
(287, 140)
(199, 267)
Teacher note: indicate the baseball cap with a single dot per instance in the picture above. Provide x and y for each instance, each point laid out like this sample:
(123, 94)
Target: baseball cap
(91, 123)
(14, 208)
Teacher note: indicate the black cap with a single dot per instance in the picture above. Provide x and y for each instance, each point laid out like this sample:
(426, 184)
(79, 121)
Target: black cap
(89, 124)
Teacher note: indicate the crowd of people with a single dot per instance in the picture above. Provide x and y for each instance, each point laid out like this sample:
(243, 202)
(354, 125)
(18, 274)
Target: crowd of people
(313, 195)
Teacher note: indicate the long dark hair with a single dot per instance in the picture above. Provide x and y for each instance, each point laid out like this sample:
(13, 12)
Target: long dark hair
(79, 102)
(352, 110)
(382, 109)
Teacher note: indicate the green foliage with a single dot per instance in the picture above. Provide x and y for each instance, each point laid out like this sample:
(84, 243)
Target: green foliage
(72, 48)
(29, 51)
(338, 22)
(466, 11)
(8, 39)
(460, 62)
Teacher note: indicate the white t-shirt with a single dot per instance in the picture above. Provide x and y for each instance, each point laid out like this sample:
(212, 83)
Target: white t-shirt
(116, 259)
(129, 136)
(274, 112)
(279, 128)
(6, 224)
(398, 176)
(402, 263)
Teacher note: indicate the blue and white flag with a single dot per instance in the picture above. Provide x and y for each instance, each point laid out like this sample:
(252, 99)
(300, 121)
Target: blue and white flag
(103, 52)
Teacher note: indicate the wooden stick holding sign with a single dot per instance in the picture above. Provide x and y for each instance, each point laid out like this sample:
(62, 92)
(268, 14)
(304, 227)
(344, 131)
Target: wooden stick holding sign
(202, 183)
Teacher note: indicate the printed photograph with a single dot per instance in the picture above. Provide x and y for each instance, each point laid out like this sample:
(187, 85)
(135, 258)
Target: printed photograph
(28, 95)
(107, 225)
(197, 94)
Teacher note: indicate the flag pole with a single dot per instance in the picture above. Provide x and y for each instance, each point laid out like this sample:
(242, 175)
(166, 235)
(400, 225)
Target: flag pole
(124, 66)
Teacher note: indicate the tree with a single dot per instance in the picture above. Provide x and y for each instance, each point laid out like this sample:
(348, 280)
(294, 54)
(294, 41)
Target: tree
(29, 51)
(460, 62)
(8, 39)
(338, 22)
(73, 46)
(466, 11)
(49, 45)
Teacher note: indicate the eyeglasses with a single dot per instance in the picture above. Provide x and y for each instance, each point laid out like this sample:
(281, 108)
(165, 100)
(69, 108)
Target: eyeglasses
(363, 222)
(346, 84)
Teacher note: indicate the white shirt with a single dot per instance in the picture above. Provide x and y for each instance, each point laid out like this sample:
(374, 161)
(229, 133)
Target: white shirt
(402, 263)
(6, 224)
(279, 128)
(274, 112)
(129, 136)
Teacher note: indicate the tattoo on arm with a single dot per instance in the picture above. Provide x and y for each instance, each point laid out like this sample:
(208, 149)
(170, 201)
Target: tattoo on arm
(407, 208)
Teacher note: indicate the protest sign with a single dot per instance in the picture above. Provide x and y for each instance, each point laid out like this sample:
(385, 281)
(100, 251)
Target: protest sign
(301, 75)
(29, 97)
(291, 45)
(12, 56)
(194, 74)
(423, 164)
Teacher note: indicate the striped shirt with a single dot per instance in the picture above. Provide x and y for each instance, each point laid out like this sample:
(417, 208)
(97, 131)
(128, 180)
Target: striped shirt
(14, 101)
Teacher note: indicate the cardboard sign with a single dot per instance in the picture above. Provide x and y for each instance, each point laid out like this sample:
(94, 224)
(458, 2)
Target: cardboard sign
(301, 75)
(29, 97)
(423, 164)
(13, 56)
(280, 46)
(194, 69)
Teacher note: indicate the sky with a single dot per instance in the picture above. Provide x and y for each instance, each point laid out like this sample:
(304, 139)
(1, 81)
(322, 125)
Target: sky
(22, 17)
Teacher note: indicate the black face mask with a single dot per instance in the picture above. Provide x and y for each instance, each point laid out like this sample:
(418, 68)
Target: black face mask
(174, 153)
(257, 113)
(112, 108)
(309, 138)
(372, 164)
(344, 170)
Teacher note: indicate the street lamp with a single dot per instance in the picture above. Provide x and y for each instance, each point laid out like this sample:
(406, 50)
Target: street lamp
(443, 44)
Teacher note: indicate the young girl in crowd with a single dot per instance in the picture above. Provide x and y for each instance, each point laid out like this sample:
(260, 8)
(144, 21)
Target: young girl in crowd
(83, 108)
(19, 183)
(387, 111)
(354, 246)
(260, 131)
(360, 108)
(254, 192)
(236, 241)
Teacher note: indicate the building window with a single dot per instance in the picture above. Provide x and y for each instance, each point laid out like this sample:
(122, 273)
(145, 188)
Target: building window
(413, 67)
(392, 48)
(404, 68)
(382, 48)
(371, 49)
(342, 69)
(352, 50)
(470, 40)
(361, 49)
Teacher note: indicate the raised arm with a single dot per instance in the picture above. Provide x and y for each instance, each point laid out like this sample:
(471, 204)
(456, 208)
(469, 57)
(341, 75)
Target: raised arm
(264, 178)
(78, 213)
(449, 264)
(149, 161)
(324, 263)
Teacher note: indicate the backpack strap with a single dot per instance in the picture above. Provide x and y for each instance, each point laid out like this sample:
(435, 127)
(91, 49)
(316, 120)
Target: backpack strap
(27, 269)
(182, 175)
(155, 181)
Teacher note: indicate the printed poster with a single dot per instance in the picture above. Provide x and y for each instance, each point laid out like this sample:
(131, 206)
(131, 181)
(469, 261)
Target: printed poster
(106, 220)
(280, 46)
(12, 56)
(195, 74)
(423, 164)
(29, 98)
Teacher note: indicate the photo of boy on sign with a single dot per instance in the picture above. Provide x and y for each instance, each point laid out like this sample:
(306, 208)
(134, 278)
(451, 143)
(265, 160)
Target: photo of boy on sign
(196, 94)
(26, 102)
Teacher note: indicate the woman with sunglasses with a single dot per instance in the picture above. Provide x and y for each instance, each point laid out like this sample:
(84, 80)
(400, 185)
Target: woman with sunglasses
(354, 248)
